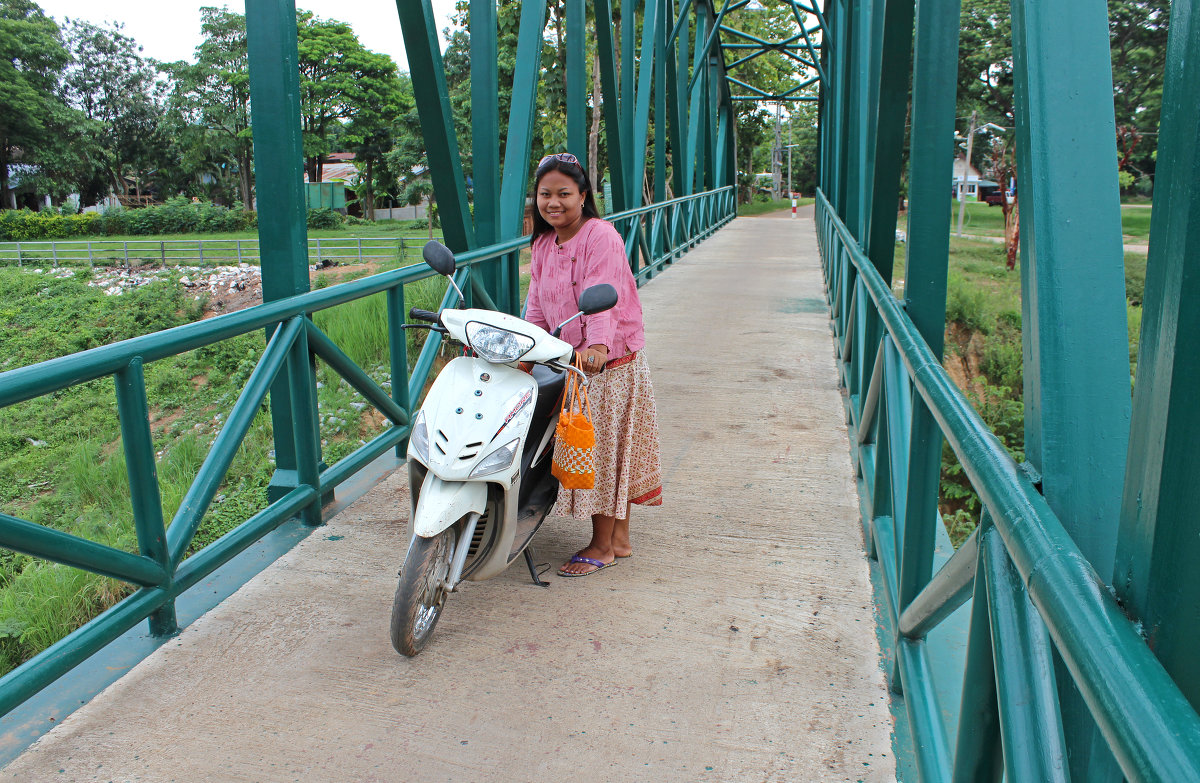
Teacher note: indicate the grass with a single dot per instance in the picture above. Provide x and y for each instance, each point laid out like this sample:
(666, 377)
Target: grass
(984, 220)
(984, 355)
(61, 461)
(220, 248)
(763, 207)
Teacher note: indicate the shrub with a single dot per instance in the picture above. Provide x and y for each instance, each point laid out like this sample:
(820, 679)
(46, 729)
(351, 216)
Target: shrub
(1135, 278)
(21, 225)
(967, 305)
(1000, 359)
(324, 218)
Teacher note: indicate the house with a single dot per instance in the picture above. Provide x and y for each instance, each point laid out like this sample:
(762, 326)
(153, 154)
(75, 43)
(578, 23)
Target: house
(339, 168)
(968, 179)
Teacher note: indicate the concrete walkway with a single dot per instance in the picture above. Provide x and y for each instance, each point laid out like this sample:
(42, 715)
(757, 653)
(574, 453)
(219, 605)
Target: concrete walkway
(737, 644)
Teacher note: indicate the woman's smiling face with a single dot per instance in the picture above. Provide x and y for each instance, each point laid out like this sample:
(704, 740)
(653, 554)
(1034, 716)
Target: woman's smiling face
(559, 200)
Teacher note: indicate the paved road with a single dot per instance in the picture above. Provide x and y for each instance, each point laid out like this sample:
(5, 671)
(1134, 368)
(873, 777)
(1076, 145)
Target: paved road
(737, 644)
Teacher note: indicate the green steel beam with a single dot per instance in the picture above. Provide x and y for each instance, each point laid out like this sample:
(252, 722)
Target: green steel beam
(1030, 724)
(1158, 548)
(1074, 321)
(418, 25)
(1072, 266)
(274, 65)
(978, 749)
(224, 447)
(662, 44)
(577, 76)
(485, 135)
(681, 21)
(519, 144)
(138, 444)
(614, 137)
(927, 251)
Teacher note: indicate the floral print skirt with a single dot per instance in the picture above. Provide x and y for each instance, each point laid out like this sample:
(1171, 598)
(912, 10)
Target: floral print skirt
(628, 458)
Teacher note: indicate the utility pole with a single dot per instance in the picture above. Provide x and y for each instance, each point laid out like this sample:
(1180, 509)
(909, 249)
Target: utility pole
(776, 156)
(790, 145)
(962, 186)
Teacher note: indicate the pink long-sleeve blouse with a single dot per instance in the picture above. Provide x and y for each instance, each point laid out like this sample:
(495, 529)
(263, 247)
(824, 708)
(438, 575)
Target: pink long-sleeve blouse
(560, 274)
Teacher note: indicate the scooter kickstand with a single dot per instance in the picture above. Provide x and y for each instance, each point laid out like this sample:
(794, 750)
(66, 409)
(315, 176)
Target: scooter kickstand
(537, 579)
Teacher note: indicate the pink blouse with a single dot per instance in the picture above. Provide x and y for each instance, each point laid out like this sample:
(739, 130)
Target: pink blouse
(560, 274)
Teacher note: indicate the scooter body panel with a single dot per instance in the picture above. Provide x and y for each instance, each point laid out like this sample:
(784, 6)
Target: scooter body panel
(442, 503)
(468, 418)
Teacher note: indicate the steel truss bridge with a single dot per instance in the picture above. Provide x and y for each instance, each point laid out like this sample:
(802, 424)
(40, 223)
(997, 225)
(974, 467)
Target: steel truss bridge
(1079, 657)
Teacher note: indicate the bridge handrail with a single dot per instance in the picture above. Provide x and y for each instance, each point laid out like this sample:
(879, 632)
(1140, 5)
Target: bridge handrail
(1152, 729)
(160, 569)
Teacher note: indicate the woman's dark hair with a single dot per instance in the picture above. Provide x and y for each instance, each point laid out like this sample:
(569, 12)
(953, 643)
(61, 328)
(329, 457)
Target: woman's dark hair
(578, 176)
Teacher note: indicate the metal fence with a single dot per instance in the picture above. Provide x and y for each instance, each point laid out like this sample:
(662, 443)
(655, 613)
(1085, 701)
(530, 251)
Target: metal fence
(199, 252)
(1033, 591)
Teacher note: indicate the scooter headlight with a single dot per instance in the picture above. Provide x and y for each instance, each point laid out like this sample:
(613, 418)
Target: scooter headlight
(499, 459)
(497, 345)
(418, 440)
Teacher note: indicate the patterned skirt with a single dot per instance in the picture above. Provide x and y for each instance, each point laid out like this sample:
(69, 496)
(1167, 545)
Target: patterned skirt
(628, 460)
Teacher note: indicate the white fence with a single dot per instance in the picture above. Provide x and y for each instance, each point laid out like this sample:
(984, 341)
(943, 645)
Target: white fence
(402, 213)
(202, 252)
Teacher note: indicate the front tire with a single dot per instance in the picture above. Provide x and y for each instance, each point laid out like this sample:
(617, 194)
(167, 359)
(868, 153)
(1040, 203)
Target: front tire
(422, 592)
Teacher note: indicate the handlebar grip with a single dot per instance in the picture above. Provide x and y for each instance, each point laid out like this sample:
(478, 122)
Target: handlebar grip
(423, 315)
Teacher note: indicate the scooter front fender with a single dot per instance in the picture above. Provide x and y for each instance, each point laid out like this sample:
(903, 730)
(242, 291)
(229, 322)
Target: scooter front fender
(442, 503)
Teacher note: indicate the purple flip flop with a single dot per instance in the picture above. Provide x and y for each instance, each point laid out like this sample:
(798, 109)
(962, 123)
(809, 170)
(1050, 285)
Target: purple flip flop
(600, 566)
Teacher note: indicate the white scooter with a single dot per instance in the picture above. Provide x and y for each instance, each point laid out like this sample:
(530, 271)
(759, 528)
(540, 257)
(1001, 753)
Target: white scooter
(479, 454)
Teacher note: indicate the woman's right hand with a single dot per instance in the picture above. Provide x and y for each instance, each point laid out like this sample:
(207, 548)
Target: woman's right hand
(592, 359)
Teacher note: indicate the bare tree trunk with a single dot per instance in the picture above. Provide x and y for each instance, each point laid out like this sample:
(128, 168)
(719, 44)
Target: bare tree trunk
(1012, 233)
(244, 181)
(369, 193)
(593, 151)
(9, 198)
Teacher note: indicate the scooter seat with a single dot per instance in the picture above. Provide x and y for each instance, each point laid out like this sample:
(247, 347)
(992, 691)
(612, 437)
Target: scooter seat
(550, 384)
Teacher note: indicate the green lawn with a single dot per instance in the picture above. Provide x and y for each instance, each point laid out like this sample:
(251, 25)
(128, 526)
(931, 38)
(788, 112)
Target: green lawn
(982, 219)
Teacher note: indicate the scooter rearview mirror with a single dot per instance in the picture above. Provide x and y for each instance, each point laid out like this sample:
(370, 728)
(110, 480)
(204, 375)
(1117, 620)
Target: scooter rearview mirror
(597, 299)
(439, 257)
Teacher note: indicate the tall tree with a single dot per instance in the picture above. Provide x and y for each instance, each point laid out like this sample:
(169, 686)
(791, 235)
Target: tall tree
(115, 87)
(1138, 33)
(340, 81)
(371, 134)
(32, 57)
(213, 95)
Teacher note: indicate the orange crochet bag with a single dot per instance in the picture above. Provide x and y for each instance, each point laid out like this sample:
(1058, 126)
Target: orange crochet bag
(575, 438)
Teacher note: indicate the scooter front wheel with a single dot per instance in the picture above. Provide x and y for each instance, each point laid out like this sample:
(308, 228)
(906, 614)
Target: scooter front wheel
(421, 593)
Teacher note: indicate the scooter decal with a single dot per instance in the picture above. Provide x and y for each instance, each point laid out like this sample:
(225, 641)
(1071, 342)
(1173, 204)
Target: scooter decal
(520, 405)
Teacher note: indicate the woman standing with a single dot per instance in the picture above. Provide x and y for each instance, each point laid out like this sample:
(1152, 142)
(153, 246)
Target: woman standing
(574, 248)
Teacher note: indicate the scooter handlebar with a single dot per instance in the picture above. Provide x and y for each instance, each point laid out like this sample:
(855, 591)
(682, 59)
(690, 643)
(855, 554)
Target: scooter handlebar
(423, 315)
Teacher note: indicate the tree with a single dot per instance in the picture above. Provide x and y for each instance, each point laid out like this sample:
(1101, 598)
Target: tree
(32, 57)
(213, 98)
(341, 81)
(985, 65)
(116, 89)
(1138, 35)
(371, 134)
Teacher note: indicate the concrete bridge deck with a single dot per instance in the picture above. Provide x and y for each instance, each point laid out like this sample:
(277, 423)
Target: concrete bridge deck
(737, 644)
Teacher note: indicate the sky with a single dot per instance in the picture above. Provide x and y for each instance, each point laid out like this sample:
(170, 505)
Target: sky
(169, 30)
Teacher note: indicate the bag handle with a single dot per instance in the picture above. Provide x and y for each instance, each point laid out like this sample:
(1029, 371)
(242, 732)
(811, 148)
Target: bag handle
(575, 394)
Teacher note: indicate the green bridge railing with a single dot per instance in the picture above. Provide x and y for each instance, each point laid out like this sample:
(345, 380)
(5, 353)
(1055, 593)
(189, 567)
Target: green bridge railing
(161, 570)
(1030, 585)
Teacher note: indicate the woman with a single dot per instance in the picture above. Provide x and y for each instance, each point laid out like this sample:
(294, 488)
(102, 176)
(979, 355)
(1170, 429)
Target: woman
(574, 248)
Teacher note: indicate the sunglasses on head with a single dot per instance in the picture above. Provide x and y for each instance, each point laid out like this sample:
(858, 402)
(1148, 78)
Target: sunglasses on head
(565, 157)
